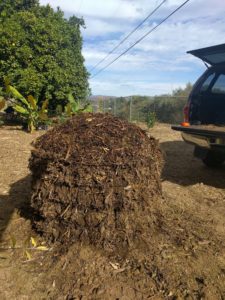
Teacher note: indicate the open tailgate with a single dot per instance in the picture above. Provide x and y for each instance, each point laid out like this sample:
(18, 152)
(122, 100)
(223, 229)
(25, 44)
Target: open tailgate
(213, 55)
(209, 131)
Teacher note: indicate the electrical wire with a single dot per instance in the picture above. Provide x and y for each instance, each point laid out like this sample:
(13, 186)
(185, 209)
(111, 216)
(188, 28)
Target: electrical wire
(78, 11)
(139, 40)
(127, 36)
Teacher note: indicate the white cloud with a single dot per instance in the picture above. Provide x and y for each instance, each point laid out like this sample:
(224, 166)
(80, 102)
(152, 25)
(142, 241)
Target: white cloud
(98, 8)
(158, 62)
(100, 28)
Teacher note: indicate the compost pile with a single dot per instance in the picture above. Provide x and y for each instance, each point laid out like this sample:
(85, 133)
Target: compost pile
(94, 180)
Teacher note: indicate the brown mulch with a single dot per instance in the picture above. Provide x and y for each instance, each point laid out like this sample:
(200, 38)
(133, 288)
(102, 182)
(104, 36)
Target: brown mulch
(94, 180)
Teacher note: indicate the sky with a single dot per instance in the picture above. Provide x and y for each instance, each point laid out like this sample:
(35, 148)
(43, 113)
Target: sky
(157, 65)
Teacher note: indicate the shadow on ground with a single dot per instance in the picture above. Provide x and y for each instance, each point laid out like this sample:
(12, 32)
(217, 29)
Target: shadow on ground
(183, 168)
(17, 199)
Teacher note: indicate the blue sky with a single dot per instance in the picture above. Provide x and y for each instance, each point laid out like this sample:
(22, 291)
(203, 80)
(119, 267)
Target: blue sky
(159, 63)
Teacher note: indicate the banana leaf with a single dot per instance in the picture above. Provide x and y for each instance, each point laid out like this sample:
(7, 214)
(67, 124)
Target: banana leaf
(74, 105)
(32, 101)
(44, 106)
(68, 109)
(71, 98)
(10, 89)
(21, 109)
(88, 108)
(2, 104)
(43, 116)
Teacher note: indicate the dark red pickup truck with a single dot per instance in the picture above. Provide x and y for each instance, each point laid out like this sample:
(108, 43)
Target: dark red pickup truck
(204, 113)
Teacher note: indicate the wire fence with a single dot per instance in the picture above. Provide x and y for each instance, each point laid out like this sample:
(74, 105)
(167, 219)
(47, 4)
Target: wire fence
(167, 109)
(164, 109)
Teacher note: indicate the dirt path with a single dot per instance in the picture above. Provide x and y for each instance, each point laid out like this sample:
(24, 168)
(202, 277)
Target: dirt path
(194, 199)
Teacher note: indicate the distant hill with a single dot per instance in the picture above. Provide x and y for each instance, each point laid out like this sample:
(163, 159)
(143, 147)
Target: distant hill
(102, 97)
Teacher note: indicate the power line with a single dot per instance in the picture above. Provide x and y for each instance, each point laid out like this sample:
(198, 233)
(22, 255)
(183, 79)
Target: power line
(139, 40)
(129, 34)
(81, 2)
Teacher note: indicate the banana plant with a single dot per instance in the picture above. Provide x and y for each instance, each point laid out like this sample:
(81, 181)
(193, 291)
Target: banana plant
(2, 104)
(28, 108)
(75, 107)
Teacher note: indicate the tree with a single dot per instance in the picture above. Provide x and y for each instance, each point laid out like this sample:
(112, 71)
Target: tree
(9, 7)
(40, 52)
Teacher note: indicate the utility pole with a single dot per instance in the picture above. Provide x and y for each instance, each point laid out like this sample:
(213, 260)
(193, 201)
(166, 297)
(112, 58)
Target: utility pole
(99, 105)
(103, 104)
(130, 116)
(114, 102)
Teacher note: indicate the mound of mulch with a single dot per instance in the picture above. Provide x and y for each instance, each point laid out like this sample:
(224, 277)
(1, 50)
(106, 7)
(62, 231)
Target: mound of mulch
(94, 179)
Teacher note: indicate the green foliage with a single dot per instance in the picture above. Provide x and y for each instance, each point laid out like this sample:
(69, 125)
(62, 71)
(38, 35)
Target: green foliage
(75, 106)
(28, 108)
(8, 7)
(169, 108)
(40, 51)
(151, 119)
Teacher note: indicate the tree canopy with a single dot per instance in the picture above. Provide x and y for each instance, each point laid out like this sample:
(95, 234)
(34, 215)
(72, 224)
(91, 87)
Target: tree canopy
(40, 51)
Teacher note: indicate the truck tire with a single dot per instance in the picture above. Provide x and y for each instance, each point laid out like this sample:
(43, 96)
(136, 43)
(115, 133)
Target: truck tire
(213, 159)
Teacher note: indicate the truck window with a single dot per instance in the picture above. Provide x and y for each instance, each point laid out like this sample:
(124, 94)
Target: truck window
(207, 82)
(219, 85)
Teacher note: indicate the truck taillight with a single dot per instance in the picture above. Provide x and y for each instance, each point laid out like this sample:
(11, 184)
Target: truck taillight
(186, 112)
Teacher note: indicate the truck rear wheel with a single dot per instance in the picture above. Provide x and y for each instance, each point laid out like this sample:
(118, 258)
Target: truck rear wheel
(213, 159)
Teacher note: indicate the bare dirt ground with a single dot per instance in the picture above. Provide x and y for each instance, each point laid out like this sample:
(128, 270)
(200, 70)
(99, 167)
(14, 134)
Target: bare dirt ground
(190, 265)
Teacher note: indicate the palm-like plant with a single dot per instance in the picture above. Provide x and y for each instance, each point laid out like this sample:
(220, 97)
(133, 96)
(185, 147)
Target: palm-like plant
(74, 106)
(28, 108)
